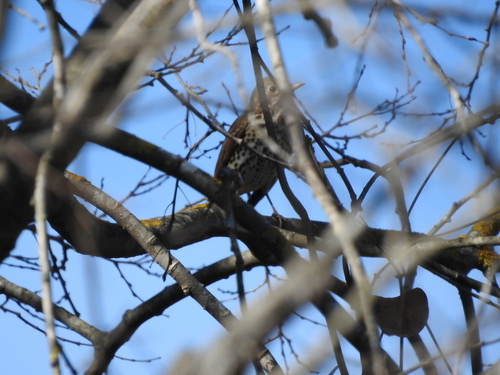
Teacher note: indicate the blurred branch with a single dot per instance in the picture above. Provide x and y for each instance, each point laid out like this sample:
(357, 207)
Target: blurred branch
(41, 188)
(156, 305)
(472, 338)
(431, 61)
(324, 24)
(57, 52)
(98, 237)
(96, 82)
(70, 320)
(58, 18)
(109, 234)
(163, 257)
(273, 249)
(28, 16)
(482, 224)
(14, 98)
(493, 21)
(231, 353)
(340, 223)
(488, 115)
(40, 197)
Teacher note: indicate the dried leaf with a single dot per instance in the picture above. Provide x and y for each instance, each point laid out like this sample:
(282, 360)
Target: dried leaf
(403, 316)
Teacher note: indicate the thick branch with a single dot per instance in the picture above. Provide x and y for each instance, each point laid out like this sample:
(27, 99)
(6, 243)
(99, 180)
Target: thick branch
(188, 283)
(99, 75)
(64, 316)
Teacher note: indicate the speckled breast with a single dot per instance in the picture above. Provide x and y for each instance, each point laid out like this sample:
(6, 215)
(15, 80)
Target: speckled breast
(257, 172)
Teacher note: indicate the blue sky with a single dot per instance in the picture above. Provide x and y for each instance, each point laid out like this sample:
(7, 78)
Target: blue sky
(154, 115)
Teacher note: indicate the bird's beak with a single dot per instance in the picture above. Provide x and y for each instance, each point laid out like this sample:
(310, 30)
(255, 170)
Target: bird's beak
(295, 86)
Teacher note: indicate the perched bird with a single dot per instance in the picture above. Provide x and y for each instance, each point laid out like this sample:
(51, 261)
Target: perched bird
(258, 174)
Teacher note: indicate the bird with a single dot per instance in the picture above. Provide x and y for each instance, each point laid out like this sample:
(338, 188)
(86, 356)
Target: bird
(257, 174)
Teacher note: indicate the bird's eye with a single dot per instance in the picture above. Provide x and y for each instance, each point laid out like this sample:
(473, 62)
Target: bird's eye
(273, 89)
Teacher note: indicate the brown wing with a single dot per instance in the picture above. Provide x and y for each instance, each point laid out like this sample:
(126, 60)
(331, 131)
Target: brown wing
(237, 130)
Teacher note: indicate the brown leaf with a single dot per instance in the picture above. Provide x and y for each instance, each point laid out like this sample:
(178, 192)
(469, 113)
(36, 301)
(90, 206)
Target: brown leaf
(403, 316)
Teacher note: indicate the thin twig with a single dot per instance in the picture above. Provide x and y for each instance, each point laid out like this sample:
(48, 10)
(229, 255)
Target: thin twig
(304, 165)
(40, 196)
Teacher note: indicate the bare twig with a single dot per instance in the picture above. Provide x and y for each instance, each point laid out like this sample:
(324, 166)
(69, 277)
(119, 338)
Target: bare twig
(304, 165)
(40, 197)
(151, 244)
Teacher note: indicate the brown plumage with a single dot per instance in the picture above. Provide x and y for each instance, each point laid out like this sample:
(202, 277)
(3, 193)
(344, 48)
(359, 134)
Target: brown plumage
(258, 175)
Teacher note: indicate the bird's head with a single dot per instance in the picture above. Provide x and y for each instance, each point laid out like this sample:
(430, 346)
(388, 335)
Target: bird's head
(273, 94)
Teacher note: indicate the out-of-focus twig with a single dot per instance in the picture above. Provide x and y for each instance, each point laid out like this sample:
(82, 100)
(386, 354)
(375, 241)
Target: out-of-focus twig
(324, 24)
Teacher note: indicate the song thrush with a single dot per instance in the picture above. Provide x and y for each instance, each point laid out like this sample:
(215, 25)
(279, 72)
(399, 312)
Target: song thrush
(258, 174)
